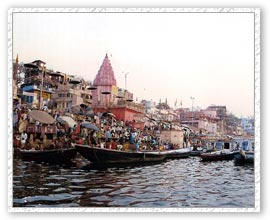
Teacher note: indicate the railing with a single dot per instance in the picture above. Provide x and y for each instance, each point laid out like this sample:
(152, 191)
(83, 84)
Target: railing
(129, 105)
(62, 99)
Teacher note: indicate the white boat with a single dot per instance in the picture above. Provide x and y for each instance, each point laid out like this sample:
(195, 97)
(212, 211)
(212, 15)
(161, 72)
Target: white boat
(175, 153)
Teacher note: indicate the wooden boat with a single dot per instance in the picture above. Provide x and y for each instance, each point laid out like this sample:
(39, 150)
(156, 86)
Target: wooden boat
(47, 150)
(55, 156)
(217, 155)
(105, 156)
(223, 150)
(196, 151)
(246, 152)
(244, 156)
(201, 145)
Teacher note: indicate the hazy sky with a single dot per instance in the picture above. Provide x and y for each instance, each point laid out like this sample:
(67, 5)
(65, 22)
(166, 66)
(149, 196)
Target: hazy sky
(209, 56)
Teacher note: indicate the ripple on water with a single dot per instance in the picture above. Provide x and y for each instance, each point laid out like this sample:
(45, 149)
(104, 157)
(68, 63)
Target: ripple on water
(174, 183)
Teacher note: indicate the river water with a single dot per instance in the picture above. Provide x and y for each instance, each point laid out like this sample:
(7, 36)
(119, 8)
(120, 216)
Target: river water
(178, 183)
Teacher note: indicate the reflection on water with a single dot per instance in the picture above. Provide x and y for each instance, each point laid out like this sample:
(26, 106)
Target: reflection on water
(173, 183)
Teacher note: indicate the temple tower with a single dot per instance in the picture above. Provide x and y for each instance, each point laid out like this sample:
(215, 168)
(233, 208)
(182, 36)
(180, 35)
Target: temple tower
(105, 83)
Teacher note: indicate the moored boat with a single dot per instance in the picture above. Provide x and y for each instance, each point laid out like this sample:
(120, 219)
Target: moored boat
(42, 143)
(217, 155)
(54, 156)
(196, 151)
(246, 152)
(244, 157)
(104, 156)
(223, 150)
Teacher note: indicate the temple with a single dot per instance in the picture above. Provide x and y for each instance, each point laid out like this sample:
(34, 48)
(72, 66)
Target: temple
(107, 97)
(105, 84)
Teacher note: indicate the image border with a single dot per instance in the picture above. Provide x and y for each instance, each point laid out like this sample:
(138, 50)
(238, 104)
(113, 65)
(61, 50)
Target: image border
(257, 100)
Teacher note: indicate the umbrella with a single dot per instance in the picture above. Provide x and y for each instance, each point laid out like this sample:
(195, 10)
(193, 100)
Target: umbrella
(111, 114)
(92, 88)
(41, 116)
(76, 110)
(83, 106)
(89, 113)
(68, 120)
(81, 110)
(75, 81)
(56, 73)
(106, 92)
(89, 126)
(31, 65)
(108, 114)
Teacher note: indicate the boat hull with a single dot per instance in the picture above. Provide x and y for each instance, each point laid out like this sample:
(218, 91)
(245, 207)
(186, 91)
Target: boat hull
(55, 156)
(217, 157)
(246, 157)
(196, 153)
(107, 156)
(177, 154)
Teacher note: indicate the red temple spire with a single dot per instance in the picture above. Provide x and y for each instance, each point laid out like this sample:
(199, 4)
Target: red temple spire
(105, 76)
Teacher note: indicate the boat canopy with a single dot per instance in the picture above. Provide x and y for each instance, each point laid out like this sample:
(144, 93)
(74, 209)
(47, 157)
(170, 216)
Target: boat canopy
(246, 145)
(219, 145)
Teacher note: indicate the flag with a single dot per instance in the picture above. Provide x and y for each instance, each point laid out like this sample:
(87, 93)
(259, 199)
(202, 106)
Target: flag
(181, 103)
(175, 103)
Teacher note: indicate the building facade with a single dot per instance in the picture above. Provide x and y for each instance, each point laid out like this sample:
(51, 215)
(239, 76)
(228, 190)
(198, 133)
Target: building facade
(37, 87)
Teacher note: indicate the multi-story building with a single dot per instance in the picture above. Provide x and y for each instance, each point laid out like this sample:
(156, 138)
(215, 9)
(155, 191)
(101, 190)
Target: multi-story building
(221, 114)
(198, 120)
(37, 86)
(205, 120)
(248, 125)
(54, 89)
(68, 95)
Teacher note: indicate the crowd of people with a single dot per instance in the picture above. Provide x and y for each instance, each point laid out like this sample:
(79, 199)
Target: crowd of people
(110, 133)
(117, 134)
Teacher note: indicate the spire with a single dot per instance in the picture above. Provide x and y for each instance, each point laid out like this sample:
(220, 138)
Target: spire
(105, 76)
(17, 59)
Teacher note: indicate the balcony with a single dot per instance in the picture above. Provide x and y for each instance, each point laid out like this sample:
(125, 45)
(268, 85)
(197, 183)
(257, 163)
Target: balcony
(121, 104)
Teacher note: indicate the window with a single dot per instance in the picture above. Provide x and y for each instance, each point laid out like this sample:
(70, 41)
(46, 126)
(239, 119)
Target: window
(219, 145)
(226, 145)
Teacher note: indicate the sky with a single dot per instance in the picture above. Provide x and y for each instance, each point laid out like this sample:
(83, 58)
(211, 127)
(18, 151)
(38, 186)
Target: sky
(173, 56)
